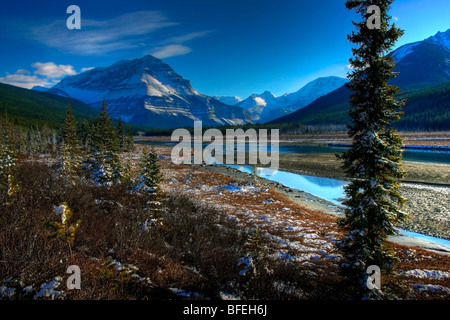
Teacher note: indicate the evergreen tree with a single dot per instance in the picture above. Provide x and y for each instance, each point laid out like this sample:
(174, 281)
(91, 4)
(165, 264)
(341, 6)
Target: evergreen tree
(70, 156)
(148, 185)
(105, 164)
(121, 135)
(129, 142)
(85, 133)
(8, 159)
(373, 163)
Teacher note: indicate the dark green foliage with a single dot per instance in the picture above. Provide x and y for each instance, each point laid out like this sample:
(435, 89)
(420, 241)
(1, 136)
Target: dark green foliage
(426, 110)
(29, 107)
(104, 162)
(373, 163)
(8, 158)
(70, 154)
(148, 184)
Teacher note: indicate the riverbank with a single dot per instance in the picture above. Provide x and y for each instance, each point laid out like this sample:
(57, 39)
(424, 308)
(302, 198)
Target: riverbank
(441, 138)
(427, 206)
(328, 166)
(426, 186)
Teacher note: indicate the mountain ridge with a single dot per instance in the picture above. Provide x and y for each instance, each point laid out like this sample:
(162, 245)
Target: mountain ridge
(266, 106)
(424, 79)
(147, 91)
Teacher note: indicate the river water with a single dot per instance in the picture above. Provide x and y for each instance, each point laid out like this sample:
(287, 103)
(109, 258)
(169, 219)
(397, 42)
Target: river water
(415, 155)
(331, 190)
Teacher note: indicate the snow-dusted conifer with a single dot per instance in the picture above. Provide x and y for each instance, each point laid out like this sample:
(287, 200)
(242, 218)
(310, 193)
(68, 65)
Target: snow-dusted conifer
(70, 154)
(373, 163)
(8, 159)
(105, 163)
(148, 184)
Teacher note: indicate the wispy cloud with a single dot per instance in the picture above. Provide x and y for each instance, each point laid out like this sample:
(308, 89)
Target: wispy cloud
(175, 46)
(170, 51)
(187, 37)
(97, 37)
(133, 32)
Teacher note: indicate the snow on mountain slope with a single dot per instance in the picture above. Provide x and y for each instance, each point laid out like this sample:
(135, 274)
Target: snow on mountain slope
(442, 38)
(266, 106)
(424, 63)
(257, 103)
(148, 92)
(403, 51)
(232, 101)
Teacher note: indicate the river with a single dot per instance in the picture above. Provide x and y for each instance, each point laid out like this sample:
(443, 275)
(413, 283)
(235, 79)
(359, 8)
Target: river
(331, 190)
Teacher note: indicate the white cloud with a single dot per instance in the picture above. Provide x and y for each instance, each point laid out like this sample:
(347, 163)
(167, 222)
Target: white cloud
(171, 51)
(45, 75)
(187, 37)
(20, 79)
(52, 70)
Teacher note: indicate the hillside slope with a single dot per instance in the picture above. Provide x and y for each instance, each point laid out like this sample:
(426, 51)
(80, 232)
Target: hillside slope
(35, 107)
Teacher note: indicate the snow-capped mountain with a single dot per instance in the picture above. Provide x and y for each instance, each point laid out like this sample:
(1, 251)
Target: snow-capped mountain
(424, 79)
(232, 101)
(266, 106)
(442, 38)
(148, 92)
(424, 63)
(257, 103)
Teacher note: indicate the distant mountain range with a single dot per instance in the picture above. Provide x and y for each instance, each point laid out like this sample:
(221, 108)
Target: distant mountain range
(266, 106)
(148, 92)
(424, 80)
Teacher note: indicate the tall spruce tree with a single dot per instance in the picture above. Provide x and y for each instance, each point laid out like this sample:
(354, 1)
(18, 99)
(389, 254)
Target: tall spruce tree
(8, 158)
(105, 163)
(70, 155)
(121, 135)
(149, 186)
(373, 163)
(129, 141)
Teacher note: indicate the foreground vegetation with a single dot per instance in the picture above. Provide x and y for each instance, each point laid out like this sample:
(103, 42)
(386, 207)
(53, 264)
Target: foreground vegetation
(140, 227)
(200, 251)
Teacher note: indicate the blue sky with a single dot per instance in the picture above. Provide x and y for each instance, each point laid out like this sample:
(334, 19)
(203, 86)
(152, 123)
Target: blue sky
(224, 47)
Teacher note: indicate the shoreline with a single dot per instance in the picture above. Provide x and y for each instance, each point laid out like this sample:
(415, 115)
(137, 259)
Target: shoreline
(425, 188)
(315, 203)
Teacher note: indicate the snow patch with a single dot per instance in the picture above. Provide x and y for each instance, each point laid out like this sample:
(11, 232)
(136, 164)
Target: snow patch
(427, 274)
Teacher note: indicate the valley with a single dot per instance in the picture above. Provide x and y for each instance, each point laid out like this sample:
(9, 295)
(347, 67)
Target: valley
(90, 179)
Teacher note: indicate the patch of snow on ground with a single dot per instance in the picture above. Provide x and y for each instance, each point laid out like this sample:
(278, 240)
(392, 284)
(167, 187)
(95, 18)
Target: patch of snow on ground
(430, 288)
(48, 290)
(429, 274)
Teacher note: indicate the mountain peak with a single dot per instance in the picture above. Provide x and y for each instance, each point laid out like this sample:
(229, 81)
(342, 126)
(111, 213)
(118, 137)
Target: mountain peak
(229, 100)
(442, 38)
(267, 95)
(147, 91)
